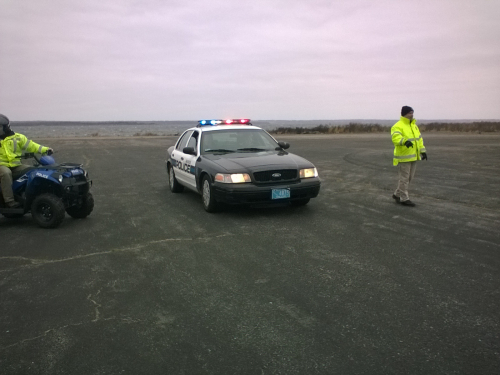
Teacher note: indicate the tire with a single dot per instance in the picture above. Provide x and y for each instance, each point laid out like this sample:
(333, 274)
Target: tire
(81, 212)
(48, 210)
(300, 202)
(207, 196)
(174, 185)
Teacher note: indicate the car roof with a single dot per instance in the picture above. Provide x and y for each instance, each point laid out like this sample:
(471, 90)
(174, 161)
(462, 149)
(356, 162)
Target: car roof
(225, 127)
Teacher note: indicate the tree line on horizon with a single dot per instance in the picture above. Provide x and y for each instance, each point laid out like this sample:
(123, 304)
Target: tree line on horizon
(472, 127)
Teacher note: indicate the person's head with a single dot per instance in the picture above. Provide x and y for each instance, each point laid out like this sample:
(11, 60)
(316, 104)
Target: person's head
(5, 129)
(407, 112)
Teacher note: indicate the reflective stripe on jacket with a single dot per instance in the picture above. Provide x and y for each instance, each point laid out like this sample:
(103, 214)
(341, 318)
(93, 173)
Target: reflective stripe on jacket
(12, 147)
(401, 132)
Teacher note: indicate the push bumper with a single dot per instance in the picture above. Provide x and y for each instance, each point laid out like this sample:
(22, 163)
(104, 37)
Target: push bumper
(73, 192)
(251, 193)
(76, 188)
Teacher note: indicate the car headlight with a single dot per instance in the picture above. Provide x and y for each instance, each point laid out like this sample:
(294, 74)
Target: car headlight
(234, 178)
(308, 173)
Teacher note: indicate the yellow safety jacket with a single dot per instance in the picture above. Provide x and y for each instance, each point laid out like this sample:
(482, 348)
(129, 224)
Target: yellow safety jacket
(12, 147)
(403, 131)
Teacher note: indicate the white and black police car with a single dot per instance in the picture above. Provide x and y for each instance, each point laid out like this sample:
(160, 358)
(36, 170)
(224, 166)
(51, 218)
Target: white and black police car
(234, 162)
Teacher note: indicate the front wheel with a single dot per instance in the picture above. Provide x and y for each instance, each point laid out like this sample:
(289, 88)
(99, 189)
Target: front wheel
(209, 202)
(83, 210)
(48, 210)
(174, 185)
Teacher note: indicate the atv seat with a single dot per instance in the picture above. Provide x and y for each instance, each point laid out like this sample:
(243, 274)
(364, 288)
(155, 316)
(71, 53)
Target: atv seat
(16, 175)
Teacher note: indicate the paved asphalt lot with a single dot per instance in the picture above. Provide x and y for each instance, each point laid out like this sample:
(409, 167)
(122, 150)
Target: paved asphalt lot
(350, 284)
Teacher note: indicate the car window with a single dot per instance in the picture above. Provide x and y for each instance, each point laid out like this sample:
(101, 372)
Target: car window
(249, 140)
(182, 141)
(193, 141)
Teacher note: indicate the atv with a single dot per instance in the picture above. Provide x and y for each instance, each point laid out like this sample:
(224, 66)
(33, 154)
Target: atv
(49, 190)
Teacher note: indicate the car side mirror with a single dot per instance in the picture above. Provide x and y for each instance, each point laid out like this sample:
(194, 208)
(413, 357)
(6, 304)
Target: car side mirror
(284, 145)
(189, 150)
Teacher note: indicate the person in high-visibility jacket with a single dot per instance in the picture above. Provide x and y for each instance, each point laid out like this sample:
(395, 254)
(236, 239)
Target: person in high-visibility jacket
(408, 148)
(12, 146)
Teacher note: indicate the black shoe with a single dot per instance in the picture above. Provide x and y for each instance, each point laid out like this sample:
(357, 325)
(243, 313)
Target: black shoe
(408, 203)
(397, 199)
(13, 205)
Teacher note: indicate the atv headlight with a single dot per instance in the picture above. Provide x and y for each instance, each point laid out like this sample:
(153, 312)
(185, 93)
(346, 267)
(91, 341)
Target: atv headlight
(308, 173)
(60, 178)
(234, 178)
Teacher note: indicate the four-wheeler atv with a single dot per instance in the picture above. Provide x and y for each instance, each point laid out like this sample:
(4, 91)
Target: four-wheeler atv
(49, 190)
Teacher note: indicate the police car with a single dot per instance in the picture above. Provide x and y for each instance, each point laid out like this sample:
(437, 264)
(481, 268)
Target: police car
(234, 162)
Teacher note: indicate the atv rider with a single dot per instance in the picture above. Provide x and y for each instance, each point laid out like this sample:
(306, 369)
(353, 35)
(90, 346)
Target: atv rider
(12, 145)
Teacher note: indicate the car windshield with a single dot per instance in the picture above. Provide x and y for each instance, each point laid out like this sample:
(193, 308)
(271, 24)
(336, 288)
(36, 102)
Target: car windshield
(236, 140)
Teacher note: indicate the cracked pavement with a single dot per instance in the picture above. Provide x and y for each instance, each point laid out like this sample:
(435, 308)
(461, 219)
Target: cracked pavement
(149, 283)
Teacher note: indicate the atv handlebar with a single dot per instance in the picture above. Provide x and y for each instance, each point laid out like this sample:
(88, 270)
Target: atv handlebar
(29, 155)
(33, 155)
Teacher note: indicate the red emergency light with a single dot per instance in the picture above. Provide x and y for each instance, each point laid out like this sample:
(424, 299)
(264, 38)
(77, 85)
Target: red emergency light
(240, 121)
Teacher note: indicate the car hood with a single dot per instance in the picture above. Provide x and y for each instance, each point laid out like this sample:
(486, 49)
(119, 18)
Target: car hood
(258, 161)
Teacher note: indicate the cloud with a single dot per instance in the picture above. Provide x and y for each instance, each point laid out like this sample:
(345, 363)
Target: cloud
(135, 60)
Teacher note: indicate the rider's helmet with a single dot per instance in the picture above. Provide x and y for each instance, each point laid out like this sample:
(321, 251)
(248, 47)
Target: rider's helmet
(5, 129)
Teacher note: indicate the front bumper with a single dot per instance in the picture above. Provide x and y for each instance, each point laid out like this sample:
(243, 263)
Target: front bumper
(73, 192)
(251, 193)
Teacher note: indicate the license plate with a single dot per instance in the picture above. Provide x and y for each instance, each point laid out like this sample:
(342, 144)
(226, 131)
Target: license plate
(280, 193)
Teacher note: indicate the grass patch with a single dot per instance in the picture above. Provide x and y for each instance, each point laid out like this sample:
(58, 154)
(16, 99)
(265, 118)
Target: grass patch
(471, 127)
(354, 128)
(147, 134)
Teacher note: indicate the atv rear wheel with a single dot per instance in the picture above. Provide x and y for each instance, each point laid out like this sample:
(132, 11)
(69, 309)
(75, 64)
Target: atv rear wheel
(48, 210)
(84, 210)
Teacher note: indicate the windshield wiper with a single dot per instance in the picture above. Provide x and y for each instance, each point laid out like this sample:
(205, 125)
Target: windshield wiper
(252, 149)
(219, 150)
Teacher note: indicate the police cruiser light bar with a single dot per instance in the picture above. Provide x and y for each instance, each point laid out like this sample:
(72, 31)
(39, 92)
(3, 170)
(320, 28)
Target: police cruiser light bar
(240, 121)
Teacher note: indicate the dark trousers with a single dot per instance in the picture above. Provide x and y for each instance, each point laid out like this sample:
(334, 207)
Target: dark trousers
(6, 181)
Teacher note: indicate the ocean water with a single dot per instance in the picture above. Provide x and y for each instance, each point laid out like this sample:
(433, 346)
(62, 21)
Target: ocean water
(46, 129)
(98, 130)
(65, 129)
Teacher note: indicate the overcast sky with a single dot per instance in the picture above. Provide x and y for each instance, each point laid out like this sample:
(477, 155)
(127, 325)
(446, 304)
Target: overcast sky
(261, 59)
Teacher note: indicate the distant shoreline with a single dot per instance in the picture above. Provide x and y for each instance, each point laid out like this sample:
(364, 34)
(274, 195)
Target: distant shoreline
(290, 136)
(260, 123)
(76, 130)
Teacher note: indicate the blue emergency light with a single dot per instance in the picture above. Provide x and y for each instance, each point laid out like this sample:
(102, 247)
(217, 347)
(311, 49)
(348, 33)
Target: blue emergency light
(239, 121)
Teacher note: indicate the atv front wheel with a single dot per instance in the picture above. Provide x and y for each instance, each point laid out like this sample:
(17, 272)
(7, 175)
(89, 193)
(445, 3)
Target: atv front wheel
(48, 210)
(83, 210)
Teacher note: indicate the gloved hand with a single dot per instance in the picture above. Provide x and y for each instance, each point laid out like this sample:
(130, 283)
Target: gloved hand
(50, 151)
(408, 144)
(423, 155)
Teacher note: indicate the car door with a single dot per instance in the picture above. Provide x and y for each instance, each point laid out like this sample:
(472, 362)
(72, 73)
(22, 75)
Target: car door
(190, 160)
(178, 158)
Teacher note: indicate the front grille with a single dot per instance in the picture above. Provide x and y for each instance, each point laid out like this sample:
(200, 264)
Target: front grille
(80, 178)
(267, 176)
